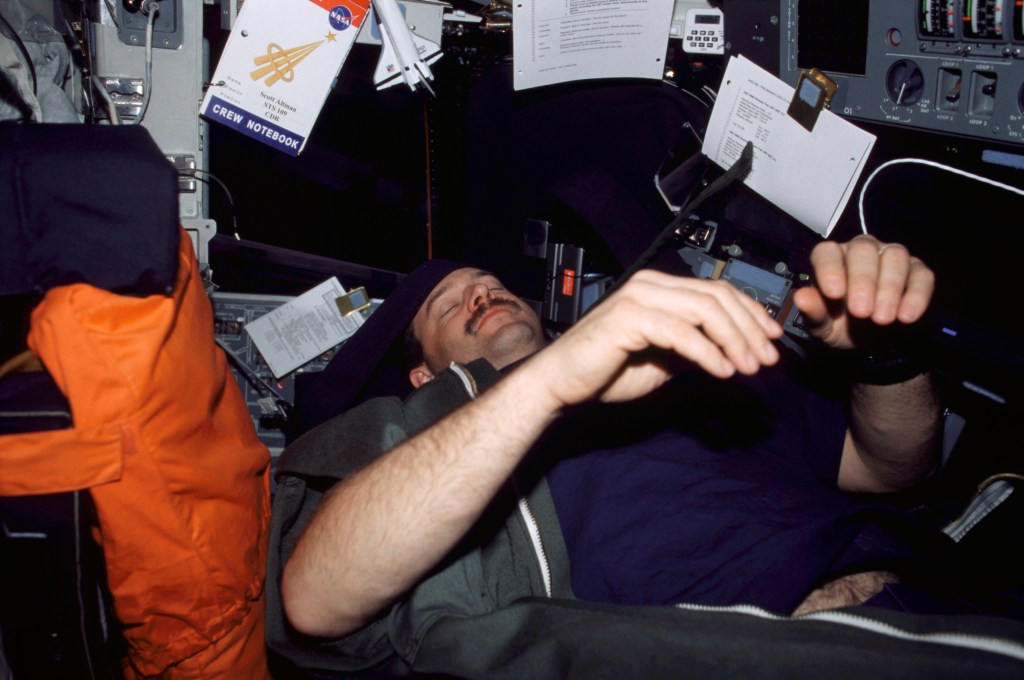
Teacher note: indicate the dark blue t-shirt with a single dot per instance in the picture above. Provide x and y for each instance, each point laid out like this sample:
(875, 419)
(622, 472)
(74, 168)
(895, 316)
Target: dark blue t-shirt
(719, 492)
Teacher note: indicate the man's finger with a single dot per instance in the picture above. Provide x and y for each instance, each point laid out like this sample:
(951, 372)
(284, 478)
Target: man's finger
(893, 271)
(828, 260)
(862, 275)
(919, 290)
(732, 319)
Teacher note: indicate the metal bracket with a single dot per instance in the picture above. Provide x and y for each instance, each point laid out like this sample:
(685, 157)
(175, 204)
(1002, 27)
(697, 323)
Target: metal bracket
(168, 31)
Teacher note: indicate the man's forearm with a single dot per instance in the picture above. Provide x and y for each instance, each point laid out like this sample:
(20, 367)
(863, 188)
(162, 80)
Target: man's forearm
(385, 527)
(894, 435)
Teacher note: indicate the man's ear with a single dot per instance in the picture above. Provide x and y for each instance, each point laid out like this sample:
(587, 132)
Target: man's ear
(420, 375)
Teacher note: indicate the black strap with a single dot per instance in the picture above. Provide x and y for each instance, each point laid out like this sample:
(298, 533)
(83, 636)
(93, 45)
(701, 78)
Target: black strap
(737, 171)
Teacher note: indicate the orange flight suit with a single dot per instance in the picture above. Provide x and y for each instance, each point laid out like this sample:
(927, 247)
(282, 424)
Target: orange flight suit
(163, 441)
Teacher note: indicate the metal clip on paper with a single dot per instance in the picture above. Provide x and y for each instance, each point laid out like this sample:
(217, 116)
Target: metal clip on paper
(814, 92)
(356, 300)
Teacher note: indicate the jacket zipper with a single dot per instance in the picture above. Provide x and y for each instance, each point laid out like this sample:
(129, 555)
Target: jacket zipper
(984, 643)
(533, 529)
(990, 496)
(532, 526)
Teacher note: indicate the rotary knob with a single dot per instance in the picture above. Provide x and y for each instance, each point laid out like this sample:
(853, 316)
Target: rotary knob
(905, 82)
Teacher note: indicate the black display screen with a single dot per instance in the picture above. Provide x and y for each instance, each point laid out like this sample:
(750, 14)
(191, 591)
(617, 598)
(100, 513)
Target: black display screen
(832, 36)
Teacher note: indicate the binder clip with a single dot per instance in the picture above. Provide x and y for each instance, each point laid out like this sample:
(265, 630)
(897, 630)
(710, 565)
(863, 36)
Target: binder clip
(356, 300)
(814, 91)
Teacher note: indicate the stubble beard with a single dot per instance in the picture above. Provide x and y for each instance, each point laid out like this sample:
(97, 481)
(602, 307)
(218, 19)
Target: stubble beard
(473, 321)
(510, 343)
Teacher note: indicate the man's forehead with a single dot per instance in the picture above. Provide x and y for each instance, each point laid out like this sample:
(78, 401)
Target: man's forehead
(450, 282)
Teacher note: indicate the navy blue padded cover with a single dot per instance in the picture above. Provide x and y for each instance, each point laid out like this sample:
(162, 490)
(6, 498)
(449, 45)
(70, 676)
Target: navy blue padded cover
(86, 204)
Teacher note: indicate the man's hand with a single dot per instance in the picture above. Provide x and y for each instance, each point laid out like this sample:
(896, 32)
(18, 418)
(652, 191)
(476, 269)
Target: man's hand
(863, 279)
(868, 286)
(619, 350)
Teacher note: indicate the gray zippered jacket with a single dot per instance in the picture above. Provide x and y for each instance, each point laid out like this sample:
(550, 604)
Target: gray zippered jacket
(500, 606)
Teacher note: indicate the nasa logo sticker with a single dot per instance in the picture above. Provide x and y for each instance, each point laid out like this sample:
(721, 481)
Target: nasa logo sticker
(341, 17)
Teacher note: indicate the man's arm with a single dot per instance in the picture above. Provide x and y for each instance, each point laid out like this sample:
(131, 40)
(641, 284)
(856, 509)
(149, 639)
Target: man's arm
(894, 433)
(894, 439)
(383, 529)
(378, 532)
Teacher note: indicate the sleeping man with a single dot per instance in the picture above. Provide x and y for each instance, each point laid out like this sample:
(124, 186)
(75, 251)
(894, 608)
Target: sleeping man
(660, 451)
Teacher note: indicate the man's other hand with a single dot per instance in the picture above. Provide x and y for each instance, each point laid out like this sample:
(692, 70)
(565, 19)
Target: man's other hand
(863, 279)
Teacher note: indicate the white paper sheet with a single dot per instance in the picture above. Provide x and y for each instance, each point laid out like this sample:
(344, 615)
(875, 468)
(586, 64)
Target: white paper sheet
(557, 41)
(810, 175)
(302, 329)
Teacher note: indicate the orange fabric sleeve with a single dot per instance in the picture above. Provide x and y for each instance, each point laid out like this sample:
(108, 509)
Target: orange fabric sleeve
(165, 443)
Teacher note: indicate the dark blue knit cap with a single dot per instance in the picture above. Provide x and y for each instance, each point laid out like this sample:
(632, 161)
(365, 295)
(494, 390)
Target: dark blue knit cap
(371, 363)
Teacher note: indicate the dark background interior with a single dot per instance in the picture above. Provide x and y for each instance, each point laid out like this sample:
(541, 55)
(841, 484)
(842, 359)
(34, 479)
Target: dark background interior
(391, 178)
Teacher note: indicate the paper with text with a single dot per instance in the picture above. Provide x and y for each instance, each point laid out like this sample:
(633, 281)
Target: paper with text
(278, 66)
(302, 329)
(557, 41)
(810, 175)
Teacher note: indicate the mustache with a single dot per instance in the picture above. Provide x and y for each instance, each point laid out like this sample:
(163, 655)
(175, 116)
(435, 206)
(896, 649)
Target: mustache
(471, 323)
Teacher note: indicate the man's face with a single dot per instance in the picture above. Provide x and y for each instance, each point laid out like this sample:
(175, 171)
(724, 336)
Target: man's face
(469, 315)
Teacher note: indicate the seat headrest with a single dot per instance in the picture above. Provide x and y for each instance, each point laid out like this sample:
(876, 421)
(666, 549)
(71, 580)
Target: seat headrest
(86, 204)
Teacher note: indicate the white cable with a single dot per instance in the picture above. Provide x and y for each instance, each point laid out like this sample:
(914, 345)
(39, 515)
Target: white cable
(147, 85)
(101, 90)
(694, 97)
(921, 161)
